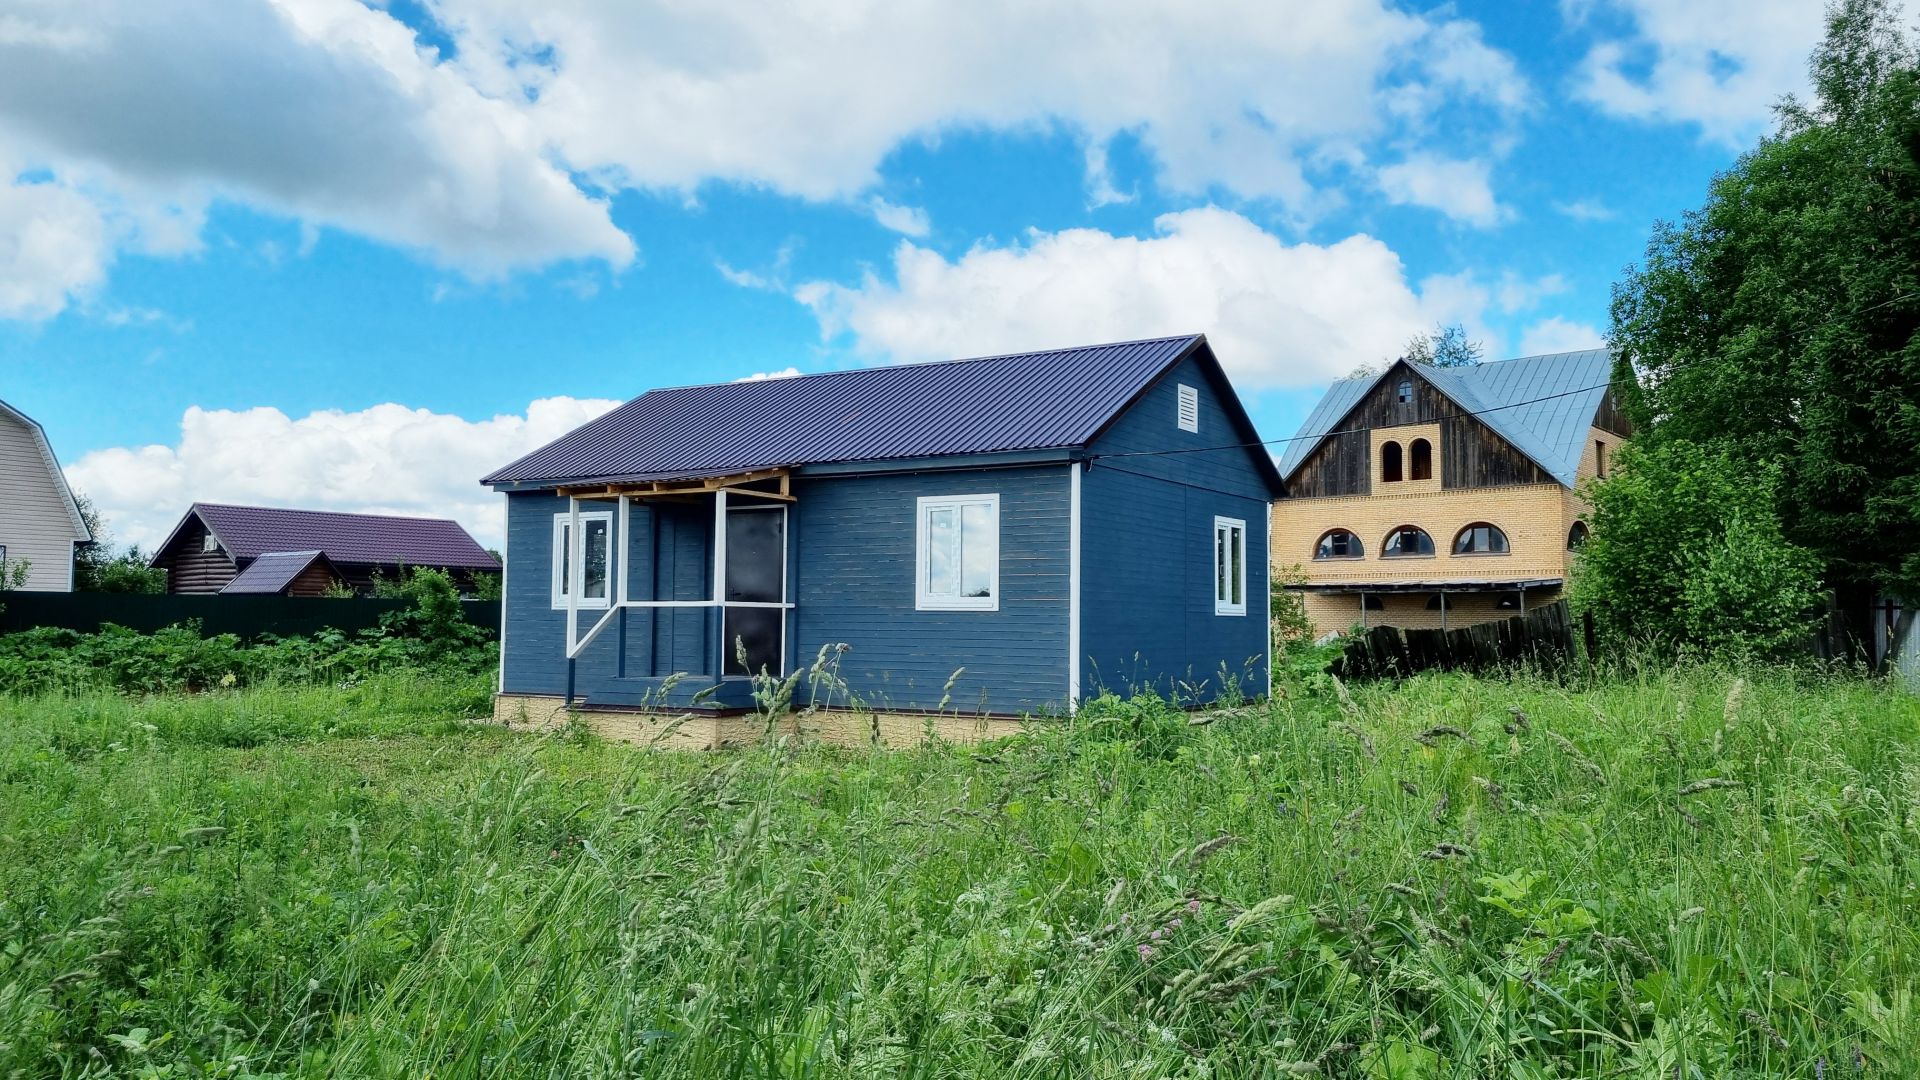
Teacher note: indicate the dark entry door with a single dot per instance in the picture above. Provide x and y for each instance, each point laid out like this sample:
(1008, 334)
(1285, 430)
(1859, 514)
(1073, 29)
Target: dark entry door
(756, 573)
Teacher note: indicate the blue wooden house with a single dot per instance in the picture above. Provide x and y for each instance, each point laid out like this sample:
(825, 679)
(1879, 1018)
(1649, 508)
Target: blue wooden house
(1047, 524)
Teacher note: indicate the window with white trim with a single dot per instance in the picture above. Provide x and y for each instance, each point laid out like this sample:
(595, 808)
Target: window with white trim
(596, 529)
(1189, 408)
(1229, 566)
(957, 553)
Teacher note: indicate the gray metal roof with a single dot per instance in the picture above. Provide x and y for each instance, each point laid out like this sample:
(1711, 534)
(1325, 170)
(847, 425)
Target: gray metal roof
(1060, 398)
(1543, 405)
(272, 572)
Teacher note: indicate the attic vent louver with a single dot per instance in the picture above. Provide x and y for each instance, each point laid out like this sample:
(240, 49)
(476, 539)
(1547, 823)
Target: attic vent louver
(1189, 409)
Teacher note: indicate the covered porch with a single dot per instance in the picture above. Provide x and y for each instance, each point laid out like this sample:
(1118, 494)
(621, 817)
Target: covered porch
(1435, 604)
(676, 589)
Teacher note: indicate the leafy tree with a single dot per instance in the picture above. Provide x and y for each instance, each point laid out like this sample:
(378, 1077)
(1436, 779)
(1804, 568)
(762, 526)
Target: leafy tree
(1782, 318)
(14, 574)
(1686, 551)
(1446, 346)
(97, 567)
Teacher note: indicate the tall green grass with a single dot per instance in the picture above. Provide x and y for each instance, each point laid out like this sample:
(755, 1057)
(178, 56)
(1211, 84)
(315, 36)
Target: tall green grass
(1454, 877)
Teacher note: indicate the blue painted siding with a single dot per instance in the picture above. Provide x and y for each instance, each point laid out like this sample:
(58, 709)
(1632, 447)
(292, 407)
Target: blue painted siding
(854, 583)
(669, 560)
(1146, 566)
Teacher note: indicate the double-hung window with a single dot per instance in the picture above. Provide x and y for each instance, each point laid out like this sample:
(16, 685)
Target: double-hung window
(1229, 566)
(595, 551)
(957, 553)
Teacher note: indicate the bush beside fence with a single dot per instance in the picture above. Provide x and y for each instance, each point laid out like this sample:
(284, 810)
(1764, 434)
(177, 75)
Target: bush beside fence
(243, 616)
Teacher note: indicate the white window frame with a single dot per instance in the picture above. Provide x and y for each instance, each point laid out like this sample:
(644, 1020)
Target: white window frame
(560, 566)
(926, 601)
(1187, 412)
(1236, 532)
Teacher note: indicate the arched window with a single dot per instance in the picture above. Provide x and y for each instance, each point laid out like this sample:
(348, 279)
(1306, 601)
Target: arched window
(1405, 392)
(1339, 544)
(1420, 460)
(1576, 536)
(1507, 601)
(1480, 538)
(1390, 472)
(1439, 602)
(1372, 602)
(1406, 542)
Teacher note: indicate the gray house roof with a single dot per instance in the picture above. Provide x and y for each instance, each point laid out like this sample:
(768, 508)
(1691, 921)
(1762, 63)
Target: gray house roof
(1056, 399)
(1543, 405)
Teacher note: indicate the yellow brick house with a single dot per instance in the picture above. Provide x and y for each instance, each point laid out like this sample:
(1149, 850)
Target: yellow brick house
(1428, 497)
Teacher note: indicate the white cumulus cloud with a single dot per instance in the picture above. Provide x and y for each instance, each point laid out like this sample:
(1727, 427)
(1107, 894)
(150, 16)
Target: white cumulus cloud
(500, 153)
(1716, 64)
(1462, 190)
(1556, 334)
(809, 99)
(384, 459)
(1278, 314)
(325, 110)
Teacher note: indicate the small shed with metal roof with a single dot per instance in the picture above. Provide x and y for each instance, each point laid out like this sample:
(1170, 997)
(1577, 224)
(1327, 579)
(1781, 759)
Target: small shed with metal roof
(227, 549)
(1005, 535)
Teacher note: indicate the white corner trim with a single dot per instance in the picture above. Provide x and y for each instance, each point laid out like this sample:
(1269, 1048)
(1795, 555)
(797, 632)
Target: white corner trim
(1267, 588)
(1073, 587)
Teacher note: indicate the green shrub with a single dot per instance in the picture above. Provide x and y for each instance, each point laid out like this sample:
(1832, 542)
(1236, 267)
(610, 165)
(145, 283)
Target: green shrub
(1686, 552)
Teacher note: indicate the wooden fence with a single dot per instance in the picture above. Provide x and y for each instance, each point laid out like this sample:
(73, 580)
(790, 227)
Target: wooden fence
(1543, 636)
(246, 616)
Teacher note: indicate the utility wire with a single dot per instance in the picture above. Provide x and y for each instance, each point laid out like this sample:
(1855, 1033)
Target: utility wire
(1480, 412)
(1343, 431)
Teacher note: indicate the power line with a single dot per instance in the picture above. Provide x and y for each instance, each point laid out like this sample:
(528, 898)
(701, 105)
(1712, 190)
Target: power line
(1344, 431)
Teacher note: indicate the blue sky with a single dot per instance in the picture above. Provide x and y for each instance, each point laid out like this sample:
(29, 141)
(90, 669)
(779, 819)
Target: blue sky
(340, 269)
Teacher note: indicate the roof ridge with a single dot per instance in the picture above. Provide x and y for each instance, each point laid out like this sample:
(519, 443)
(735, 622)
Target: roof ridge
(750, 381)
(335, 513)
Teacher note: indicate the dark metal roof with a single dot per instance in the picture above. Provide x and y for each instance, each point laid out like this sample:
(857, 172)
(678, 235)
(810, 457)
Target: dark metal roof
(250, 532)
(272, 572)
(1543, 405)
(1056, 399)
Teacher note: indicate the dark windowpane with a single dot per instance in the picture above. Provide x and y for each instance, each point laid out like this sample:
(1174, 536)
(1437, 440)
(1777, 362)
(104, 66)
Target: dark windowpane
(1420, 465)
(1439, 602)
(1406, 541)
(1405, 393)
(1576, 536)
(756, 555)
(593, 561)
(757, 630)
(1507, 602)
(1480, 539)
(1373, 603)
(1390, 471)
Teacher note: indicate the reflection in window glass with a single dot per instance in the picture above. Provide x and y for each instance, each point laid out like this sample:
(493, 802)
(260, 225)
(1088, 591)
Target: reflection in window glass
(959, 553)
(979, 550)
(593, 564)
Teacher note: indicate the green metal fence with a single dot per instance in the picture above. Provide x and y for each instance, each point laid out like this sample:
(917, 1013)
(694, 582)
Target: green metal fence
(246, 616)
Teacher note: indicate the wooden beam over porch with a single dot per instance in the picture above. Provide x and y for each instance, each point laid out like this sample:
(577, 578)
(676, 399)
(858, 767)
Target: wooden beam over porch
(703, 485)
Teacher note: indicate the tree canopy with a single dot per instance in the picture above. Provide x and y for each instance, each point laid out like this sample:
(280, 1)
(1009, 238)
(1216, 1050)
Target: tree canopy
(1781, 319)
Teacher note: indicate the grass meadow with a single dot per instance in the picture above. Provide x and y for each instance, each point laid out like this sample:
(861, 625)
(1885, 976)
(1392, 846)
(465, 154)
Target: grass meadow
(1656, 874)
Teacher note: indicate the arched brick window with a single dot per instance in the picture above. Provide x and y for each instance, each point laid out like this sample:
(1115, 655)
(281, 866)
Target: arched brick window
(1390, 469)
(1480, 538)
(1420, 460)
(1406, 542)
(1339, 544)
